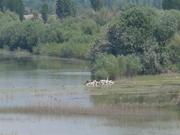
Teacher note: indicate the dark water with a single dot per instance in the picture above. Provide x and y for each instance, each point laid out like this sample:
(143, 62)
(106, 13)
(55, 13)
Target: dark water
(42, 80)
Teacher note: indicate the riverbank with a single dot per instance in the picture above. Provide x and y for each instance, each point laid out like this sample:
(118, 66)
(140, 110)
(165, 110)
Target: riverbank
(153, 90)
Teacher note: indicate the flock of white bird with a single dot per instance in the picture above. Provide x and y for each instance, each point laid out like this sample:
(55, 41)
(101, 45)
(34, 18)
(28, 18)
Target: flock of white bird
(96, 83)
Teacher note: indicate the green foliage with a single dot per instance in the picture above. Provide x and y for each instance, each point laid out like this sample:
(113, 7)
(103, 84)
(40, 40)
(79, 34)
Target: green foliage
(89, 27)
(109, 66)
(44, 12)
(96, 4)
(105, 66)
(99, 47)
(174, 49)
(165, 28)
(64, 50)
(64, 8)
(2, 4)
(151, 62)
(174, 14)
(102, 17)
(145, 33)
(132, 31)
(129, 65)
(24, 35)
(171, 4)
(135, 40)
(72, 37)
(14, 6)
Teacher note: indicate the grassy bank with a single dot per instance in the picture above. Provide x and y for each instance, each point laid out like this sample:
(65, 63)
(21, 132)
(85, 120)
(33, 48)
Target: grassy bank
(156, 90)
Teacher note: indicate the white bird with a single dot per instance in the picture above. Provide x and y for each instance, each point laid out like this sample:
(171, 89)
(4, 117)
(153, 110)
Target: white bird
(95, 83)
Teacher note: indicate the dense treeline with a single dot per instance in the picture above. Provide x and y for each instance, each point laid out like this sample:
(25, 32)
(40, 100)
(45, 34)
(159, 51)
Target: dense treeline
(118, 41)
(36, 4)
(14, 6)
(148, 36)
(71, 37)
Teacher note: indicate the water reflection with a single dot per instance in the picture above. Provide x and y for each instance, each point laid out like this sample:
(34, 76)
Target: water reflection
(26, 76)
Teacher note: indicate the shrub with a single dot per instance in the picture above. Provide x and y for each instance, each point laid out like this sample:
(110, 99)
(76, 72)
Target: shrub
(89, 27)
(151, 63)
(129, 65)
(133, 65)
(51, 49)
(175, 14)
(174, 50)
(109, 66)
(105, 66)
(23, 35)
(165, 28)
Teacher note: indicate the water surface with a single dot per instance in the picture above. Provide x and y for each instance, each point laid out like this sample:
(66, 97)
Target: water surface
(48, 81)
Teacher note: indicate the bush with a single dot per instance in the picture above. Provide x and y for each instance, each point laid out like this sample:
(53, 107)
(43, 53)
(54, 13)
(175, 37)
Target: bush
(174, 50)
(65, 50)
(70, 37)
(129, 65)
(105, 66)
(23, 35)
(109, 66)
(51, 49)
(175, 14)
(54, 33)
(151, 63)
(89, 27)
(100, 46)
(165, 27)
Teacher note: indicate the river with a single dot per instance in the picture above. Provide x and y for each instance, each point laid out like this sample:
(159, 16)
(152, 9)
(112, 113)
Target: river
(45, 82)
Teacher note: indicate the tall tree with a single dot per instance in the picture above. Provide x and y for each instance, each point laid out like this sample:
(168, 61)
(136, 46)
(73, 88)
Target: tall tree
(20, 9)
(16, 6)
(96, 4)
(65, 8)
(44, 12)
(171, 4)
(1, 5)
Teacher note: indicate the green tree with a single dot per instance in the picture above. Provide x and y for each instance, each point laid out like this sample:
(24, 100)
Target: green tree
(2, 5)
(16, 6)
(165, 28)
(171, 4)
(64, 8)
(44, 12)
(24, 35)
(105, 66)
(142, 32)
(96, 4)
(20, 9)
(129, 34)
